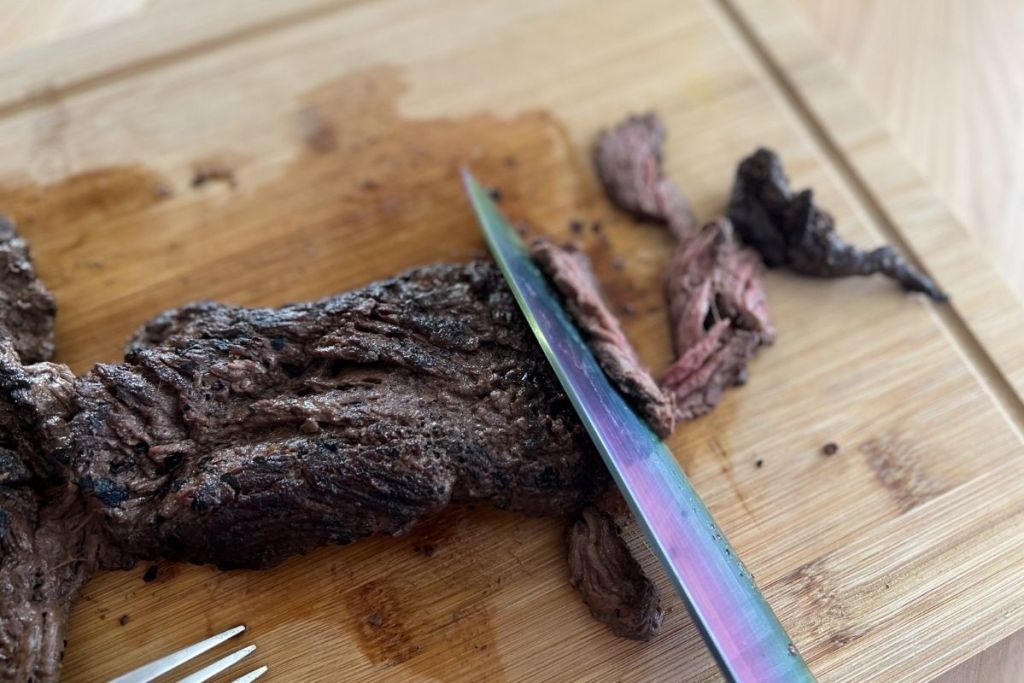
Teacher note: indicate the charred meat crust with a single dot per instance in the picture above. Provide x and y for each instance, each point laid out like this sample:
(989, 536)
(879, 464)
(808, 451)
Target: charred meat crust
(569, 268)
(791, 230)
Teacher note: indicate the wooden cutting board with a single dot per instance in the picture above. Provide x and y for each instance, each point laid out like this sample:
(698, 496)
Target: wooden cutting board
(261, 152)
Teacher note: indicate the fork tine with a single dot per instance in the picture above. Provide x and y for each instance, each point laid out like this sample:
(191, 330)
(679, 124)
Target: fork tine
(251, 676)
(211, 670)
(176, 659)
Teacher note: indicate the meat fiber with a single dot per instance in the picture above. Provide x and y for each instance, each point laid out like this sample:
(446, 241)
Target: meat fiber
(50, 545)
(720, 318)
(604, 544)
(716, 298)
(569, 269)
(629, 164)
(791, 230)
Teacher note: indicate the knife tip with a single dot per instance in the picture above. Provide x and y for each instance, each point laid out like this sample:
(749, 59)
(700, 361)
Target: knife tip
(467, 176)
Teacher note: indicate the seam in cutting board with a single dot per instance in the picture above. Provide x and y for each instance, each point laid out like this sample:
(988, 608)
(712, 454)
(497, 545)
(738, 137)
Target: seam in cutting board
(46, 96)
(978, 359)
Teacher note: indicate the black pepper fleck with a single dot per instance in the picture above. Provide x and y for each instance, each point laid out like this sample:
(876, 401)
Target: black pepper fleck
(150, 574)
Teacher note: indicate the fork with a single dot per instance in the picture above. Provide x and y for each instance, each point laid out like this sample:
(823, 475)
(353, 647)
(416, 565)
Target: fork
(151, 671)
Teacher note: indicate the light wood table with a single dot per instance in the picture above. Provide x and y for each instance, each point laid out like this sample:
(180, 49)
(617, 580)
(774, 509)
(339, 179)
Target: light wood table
(945, 76)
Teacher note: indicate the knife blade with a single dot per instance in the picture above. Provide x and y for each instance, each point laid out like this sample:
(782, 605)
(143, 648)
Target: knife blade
(744, 635)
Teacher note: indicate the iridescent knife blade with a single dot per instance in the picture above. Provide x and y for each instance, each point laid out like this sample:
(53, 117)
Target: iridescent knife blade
(740, 629)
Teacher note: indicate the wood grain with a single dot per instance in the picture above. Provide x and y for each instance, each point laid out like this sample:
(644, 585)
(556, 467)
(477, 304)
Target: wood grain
(945, 77)
(870, 557)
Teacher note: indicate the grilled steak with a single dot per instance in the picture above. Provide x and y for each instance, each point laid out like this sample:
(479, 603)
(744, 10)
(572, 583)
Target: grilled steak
(569, 269)
(50, 545)
(791, 230)
(241, 436)
(715, 293)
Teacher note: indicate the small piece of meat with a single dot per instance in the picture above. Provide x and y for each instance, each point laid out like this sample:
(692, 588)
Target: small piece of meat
(628, 160)
(719, 315)
(790, 230)
(27, 309)
(569, 268)
(604, 544)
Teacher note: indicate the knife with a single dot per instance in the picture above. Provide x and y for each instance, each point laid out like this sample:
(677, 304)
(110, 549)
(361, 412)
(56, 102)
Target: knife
(744, 635)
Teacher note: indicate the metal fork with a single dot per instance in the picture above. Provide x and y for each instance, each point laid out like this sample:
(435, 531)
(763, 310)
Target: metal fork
(151, 671)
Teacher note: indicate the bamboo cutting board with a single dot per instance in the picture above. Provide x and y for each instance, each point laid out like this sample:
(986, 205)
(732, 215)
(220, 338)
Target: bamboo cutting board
(259, 153)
